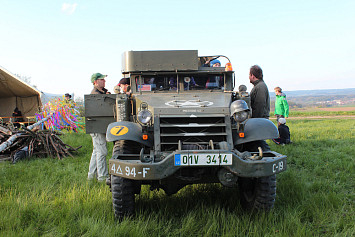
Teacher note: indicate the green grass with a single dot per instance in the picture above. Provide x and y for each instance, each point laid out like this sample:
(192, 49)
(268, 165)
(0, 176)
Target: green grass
(315, 196)
(315, 112)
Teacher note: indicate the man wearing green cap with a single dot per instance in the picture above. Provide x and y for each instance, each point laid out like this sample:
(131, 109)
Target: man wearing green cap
(99, 84)
(98, 166)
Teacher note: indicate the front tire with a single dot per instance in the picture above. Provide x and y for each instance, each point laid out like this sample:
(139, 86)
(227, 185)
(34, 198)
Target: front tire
(257, 193)
(122, 196)
(124, 190)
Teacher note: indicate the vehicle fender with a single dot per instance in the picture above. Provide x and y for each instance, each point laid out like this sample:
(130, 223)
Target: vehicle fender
(126, 130)
(256, 129)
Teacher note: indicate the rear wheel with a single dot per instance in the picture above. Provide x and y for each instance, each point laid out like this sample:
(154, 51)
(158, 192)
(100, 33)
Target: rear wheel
(257, 193)
(124, 190)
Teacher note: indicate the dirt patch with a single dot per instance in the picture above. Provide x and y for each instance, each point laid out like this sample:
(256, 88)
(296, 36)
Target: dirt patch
(338, 109)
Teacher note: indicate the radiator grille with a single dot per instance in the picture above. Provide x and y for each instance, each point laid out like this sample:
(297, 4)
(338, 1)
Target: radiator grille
(191, 131)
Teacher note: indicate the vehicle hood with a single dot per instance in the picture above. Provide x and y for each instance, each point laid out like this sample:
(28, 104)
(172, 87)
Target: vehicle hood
(212, 102)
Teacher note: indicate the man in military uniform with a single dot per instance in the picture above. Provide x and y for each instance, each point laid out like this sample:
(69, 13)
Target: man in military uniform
(98, 166)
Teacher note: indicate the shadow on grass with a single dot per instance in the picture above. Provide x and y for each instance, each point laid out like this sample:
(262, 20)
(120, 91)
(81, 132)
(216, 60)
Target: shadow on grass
(292, 192)
(191, 200)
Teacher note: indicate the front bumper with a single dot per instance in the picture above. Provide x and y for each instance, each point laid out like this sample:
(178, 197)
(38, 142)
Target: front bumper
(271, 163)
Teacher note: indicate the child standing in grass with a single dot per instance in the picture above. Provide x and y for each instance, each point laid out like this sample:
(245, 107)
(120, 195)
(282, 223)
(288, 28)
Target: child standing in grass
(281, 105)
(284, 132)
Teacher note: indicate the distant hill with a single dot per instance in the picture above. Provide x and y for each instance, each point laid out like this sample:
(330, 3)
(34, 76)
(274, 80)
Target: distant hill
(319, 98)
(325, 92)
(46, 97)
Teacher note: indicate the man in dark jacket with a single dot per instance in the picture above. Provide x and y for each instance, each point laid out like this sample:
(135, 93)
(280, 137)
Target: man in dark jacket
(259, 100)
(259, 95)
(284, 132)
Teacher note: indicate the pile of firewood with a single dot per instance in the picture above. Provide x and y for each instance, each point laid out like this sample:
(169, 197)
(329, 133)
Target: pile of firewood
(36, 143)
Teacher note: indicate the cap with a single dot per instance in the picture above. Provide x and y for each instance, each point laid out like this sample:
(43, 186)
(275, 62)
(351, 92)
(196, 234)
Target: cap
(214, 62)
(67, 95)
(124, 81)
(282, 120)
(97, 76)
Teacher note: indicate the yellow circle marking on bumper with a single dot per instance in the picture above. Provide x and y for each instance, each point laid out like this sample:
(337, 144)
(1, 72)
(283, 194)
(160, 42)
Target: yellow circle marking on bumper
(119, 130)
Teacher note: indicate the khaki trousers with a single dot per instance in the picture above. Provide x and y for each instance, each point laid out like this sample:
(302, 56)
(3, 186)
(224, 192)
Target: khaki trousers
(98, 165)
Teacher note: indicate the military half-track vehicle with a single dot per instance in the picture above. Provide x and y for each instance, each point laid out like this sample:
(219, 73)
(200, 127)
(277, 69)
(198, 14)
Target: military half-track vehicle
(183, 124)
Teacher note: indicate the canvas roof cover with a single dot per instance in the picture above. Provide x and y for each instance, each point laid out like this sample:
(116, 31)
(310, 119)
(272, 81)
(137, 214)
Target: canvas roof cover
(16, 93)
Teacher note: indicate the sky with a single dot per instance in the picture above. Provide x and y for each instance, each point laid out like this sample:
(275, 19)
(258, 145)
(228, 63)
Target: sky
(300, 45)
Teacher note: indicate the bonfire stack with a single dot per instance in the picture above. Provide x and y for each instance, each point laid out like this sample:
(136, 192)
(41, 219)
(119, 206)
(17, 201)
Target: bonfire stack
(36, 143)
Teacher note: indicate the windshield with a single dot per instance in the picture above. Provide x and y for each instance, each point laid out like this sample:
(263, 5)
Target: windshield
(184, 83)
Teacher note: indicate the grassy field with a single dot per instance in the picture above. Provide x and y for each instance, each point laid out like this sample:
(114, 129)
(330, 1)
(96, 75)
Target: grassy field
(315, 196)
(319, 112)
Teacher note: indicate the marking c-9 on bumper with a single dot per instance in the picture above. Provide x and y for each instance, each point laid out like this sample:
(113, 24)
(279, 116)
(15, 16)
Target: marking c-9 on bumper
(278, 167)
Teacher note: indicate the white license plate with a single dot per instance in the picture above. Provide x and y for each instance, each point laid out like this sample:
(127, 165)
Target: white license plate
(202, 159)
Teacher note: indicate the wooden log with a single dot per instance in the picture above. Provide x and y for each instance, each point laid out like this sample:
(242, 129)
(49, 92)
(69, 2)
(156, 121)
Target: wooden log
(54, 146)
(38, 142)
(38, 123)
(5, 130)
(5, 144)
(9, 141)
(30, 148)
(30, 131)
(4, 158)
(18, 141)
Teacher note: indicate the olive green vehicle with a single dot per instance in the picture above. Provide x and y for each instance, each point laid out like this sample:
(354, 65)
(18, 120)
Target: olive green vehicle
(183, 124)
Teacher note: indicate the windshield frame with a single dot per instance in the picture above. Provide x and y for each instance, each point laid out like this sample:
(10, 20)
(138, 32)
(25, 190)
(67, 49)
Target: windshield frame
(138, 78)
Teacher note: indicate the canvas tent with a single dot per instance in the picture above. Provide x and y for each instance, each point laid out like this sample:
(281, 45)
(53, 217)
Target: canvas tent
(16, 93)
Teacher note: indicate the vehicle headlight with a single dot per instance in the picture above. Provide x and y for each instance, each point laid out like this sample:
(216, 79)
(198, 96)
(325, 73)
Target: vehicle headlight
(240, 116)
(239, 110)
(144, 116)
